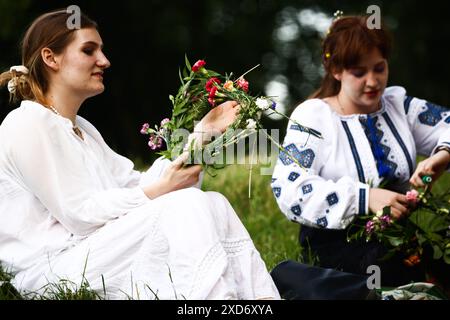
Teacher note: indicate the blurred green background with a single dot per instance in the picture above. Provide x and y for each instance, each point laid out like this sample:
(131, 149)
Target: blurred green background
(146, 42)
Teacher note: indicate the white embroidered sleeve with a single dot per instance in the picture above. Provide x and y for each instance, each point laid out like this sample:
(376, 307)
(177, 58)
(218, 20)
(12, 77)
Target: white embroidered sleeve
(301, 193)
(430, 124)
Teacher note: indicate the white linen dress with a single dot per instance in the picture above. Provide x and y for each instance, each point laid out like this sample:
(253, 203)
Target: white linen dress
(73, 209)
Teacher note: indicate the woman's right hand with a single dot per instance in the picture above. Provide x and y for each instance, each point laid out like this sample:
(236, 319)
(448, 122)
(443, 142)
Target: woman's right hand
(175, 177)
(380, 198)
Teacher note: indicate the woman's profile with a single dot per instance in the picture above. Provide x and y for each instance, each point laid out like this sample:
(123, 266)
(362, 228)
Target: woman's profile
(73, 209)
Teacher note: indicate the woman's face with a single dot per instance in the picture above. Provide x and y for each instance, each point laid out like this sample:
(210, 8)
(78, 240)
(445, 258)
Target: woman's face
(364, 83)
(82, 63)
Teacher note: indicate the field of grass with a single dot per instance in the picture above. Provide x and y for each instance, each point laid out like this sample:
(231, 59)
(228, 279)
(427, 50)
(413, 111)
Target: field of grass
(274, 236)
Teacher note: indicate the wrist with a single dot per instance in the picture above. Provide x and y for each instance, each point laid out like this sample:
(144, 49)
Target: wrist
(157, 189)
(445, 152)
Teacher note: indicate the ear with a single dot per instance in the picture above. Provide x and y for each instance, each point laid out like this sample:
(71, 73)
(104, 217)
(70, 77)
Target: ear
(49, 59)
(337, 75)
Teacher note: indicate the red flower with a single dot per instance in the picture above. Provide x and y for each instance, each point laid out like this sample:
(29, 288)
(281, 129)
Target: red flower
(199, 64)
(210, 84)
(211, 96)
(243, 84)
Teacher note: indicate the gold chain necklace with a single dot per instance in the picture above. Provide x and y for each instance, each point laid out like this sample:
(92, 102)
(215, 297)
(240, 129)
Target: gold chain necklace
(74, 128)
(340, 105)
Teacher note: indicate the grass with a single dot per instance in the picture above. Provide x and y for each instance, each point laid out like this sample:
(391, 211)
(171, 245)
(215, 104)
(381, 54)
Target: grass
(274, 236)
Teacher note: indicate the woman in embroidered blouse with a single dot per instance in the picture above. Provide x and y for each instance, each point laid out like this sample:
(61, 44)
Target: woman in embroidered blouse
(71, 208)
(371, 136)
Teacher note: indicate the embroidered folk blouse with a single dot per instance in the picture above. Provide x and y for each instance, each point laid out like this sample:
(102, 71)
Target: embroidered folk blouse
(357, 152)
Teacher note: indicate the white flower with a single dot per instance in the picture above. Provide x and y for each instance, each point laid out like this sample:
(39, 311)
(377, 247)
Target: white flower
(263, 104)
(379, 213)
(251, 124)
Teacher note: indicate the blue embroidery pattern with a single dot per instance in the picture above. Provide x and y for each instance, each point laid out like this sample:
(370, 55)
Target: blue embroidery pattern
(276, 191)
(332, 199)
(432, 115)
(355, 154)
(307, 189)
(400, 141)
(298, 128)
(296, 210)
(407, 103)
(385, 168)
(362, 201)
(322, 222)
(305, 157)
(293, 176)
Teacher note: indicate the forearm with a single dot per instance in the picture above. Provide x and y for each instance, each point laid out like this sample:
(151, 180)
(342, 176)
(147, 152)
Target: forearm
(157, 189)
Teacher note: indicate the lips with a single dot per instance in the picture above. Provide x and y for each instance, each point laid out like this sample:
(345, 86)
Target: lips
(98, 75)
(372, 93)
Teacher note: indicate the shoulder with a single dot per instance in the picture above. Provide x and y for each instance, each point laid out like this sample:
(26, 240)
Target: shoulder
(312, 113)
(395, 97)
(29, 117)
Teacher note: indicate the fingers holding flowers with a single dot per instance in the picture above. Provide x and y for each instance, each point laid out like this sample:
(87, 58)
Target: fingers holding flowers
(433, 167)
(219, 118)
(380, 198)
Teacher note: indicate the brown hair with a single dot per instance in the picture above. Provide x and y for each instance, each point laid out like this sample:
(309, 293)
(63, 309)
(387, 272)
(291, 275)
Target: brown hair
(47, 31)
(347, 41)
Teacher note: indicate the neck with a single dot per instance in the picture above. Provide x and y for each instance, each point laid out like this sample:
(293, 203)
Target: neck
(65, 103)
(348, 107)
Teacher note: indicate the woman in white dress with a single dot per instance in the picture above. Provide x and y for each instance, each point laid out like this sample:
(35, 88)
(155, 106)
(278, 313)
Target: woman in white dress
(367, 157)
(73, 209)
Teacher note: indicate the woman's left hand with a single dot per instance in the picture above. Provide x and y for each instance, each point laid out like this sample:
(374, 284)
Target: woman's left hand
(433, 166)
(219, 118)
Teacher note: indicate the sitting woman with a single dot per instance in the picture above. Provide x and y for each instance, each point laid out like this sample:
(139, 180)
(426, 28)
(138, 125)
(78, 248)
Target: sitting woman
(73, 209)
(371, 136)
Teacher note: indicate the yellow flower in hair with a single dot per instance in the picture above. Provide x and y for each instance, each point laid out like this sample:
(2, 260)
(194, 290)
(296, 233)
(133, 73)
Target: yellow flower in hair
(327, 55)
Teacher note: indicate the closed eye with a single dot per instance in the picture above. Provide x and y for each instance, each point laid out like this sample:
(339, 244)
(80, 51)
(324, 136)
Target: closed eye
(88, 51)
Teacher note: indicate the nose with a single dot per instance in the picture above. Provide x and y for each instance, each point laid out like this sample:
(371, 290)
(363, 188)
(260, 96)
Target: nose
(372, 80)
(103, 62)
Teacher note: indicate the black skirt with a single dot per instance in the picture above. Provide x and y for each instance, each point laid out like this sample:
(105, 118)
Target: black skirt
(330, 249)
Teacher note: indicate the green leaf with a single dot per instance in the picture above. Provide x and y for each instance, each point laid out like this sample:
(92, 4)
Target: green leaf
(428, 221)
(188, 65)
(437, 252)
(395, 241)
(447, 255)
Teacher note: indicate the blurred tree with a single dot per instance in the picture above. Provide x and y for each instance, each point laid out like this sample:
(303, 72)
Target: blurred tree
(146, 42)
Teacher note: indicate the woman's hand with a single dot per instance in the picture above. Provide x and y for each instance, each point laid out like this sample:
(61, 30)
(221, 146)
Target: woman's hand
(433, 166)
(380, 198)
(219, 118)
(175, 177)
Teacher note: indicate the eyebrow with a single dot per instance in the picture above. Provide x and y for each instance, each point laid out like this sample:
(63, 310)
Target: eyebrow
(363, 67)
(93, 43)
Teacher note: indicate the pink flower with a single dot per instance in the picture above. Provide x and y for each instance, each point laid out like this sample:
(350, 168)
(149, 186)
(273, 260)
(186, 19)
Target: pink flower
(412, 196)
(243, 84)
(198, 65)
(385, 221)
(164, 121)
(145, 128)
(370, 226)
(210, 84)
(154, 142)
